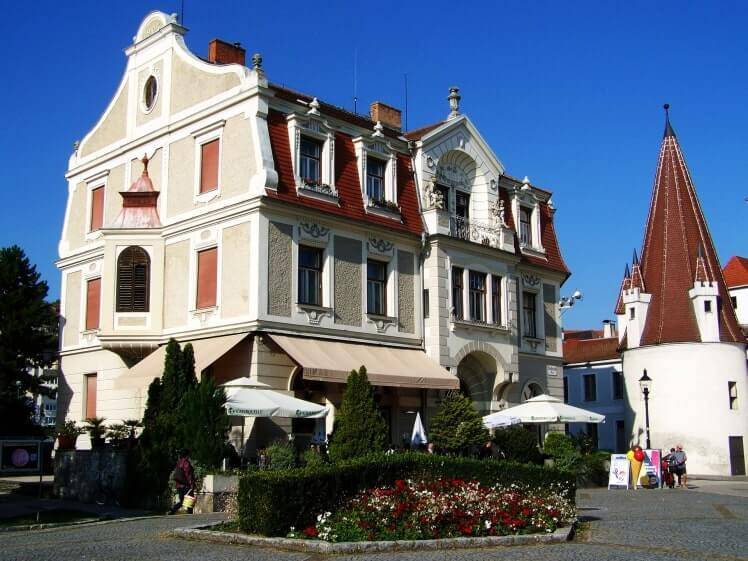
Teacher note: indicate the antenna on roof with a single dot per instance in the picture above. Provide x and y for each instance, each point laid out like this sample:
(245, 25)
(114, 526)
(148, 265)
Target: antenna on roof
(355, 80)
(406, 101)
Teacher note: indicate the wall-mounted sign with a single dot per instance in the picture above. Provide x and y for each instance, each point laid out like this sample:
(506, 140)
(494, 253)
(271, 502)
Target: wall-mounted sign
(20, 456)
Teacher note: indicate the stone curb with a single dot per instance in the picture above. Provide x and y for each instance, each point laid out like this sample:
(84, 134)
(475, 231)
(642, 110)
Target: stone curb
(203, 533)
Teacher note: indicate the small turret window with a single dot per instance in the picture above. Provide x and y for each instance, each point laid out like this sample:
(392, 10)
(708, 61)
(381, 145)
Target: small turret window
(133, 280)
(150, 92)
(708, 306)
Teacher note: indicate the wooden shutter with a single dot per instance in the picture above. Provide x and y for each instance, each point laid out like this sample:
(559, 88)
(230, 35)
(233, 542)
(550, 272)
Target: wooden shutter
(97, 209)
(209, 166)
(93, 303)
(90, 412)
(206, 277)
(133, 280)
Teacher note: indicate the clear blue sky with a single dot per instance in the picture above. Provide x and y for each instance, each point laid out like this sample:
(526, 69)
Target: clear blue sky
(569, 93)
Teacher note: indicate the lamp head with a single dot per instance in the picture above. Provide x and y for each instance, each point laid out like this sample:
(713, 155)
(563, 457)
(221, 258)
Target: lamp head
(645, 382)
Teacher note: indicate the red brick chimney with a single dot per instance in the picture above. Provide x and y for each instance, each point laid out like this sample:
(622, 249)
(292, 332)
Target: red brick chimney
(221, 52)
(388, 115)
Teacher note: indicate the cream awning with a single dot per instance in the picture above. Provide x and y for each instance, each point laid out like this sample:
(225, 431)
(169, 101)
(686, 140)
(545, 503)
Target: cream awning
(207, 351)
(332, 361)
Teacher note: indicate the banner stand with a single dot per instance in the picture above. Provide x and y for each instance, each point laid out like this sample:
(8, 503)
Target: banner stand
(620, 472)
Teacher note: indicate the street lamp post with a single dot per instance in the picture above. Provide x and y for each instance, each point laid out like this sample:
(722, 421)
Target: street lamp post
(645, 383)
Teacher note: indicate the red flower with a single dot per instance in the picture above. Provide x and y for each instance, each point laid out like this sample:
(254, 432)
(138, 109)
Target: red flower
(466, 530)
(311, 532)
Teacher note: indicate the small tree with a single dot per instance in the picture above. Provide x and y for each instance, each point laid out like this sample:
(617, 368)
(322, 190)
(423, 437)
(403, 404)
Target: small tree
(360, 429)
(457, 426)
(204, 423)
(518, 443)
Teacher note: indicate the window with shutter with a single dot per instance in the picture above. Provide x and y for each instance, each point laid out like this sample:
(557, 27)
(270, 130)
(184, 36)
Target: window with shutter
(93, 303)
(206, 277)
(97, 209)
(90, 411)
(133, 280)
(209, 166)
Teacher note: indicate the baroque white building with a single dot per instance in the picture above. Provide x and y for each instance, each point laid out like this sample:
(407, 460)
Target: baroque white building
(290, 240)
(676, 323)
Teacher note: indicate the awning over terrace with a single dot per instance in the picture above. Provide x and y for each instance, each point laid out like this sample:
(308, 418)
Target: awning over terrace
(332, 361)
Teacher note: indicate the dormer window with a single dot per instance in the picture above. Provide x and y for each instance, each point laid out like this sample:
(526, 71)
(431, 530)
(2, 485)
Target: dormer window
(313, 142)
(310, 161)
(377, 169)
(525, 226)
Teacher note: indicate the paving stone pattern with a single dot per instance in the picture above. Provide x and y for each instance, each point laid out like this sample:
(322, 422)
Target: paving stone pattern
(622, 525)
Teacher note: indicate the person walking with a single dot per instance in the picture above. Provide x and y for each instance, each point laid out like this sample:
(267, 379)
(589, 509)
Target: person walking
(680, 466)
(184, 478)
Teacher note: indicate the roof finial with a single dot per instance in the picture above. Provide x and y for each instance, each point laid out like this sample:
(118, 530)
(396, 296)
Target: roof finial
(454, 102)
(626, 272)
(668, 129)
(636, 258)
(145, 161)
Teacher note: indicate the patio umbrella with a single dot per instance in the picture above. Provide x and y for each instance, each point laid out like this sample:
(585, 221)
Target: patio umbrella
(499, 420)
(419, 433)
(249, 398)
(548, 409)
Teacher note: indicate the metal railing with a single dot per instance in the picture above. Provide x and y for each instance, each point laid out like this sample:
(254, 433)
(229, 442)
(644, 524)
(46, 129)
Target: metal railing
(474, 231)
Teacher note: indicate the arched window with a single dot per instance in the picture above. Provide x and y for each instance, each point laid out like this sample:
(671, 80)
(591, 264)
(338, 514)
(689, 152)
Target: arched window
(133, 280)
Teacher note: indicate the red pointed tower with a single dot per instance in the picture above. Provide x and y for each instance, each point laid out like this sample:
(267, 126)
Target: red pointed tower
(139, 203)
(681, 329)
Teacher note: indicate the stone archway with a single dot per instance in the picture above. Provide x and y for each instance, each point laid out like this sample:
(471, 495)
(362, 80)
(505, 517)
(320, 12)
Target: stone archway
(477, 372)
(502, 375)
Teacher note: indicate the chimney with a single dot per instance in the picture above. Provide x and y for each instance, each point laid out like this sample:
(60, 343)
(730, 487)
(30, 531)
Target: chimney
(221, 52)
(386, 114)
(609, 329)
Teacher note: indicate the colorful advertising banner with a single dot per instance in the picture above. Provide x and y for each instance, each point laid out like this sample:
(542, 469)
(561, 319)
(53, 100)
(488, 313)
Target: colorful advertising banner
(652, 467)
(618, 478)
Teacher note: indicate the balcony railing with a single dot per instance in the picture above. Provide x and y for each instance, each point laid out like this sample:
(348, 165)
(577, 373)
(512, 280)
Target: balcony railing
(474, 231)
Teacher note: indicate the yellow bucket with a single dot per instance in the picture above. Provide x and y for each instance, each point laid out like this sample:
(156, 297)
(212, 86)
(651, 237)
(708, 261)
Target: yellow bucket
(189, 501)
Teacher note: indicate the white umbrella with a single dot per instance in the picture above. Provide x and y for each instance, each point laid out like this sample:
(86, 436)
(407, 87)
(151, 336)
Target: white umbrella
(248, 398)
(500, 419)
(548, 409)
(419, 433)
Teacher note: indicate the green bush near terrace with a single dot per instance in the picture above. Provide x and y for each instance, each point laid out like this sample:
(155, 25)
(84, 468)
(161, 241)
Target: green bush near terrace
(272, 501)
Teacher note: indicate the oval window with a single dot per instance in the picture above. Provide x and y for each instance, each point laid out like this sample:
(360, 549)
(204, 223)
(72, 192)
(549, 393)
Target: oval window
(150, 93)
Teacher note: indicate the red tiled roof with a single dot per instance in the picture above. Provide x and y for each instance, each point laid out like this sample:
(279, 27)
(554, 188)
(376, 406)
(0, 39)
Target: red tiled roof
(736, 271)
(351, 204)
(590, 350)
(582, 334)
(625, 285)
(417, 134)
(676, 228)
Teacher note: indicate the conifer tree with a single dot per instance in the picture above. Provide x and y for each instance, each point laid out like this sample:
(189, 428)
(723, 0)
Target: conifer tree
(204, 422)
(457, 426)
(360, 429)
(189, 378)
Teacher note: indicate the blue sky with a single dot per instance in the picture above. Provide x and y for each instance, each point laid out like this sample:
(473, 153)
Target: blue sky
(569, 93)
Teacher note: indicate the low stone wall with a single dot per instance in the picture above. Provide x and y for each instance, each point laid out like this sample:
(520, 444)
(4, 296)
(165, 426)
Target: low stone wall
(82, 475)
(218, 494)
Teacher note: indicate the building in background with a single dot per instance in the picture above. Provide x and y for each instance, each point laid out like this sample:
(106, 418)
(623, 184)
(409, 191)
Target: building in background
(45, 407)
(675, 323)
(736, 277)
(290, 240)
(593, 380)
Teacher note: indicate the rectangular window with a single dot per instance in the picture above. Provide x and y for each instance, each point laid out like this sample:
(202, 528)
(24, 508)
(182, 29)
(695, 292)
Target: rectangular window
(207, 261)
(528, 315)
(707, 306)
(477, 296)
(734, 300)
(310, 275)
(592, 433)
(93, 303)
(426, 303)
(732, 390)
(209, 166)
(590, 387)
(376, 287)
(462, 205)
(457, 292)
(525, 226)
(620, 437)
(310, 164)
(566, 390)
(632, 313)
(496, 299)
(97, 209)
(375, 179)
(90, 411)
(617, 380)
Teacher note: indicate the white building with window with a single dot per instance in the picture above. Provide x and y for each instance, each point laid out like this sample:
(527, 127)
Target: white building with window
(736, 278)
(290, 240)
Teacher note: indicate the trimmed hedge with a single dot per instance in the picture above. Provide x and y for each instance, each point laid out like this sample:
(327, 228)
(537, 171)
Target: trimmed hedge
(272, 501)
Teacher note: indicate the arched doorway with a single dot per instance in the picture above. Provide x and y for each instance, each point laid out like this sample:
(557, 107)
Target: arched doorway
(531, 390)
(477, 374)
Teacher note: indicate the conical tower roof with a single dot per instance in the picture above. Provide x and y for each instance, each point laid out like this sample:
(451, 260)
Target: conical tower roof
(678, 249)
(139, 203)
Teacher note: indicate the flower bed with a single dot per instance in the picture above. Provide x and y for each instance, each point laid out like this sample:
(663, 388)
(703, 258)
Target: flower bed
(443, 508)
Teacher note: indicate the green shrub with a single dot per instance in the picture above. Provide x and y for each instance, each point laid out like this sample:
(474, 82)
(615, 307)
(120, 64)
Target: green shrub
(282, 455)
(272, 501)
(359, 428)
(457, 427)
(312, 457)
(518, 444)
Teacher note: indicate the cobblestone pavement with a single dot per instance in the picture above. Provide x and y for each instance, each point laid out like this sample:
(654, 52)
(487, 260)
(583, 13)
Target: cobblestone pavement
(619, 525)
